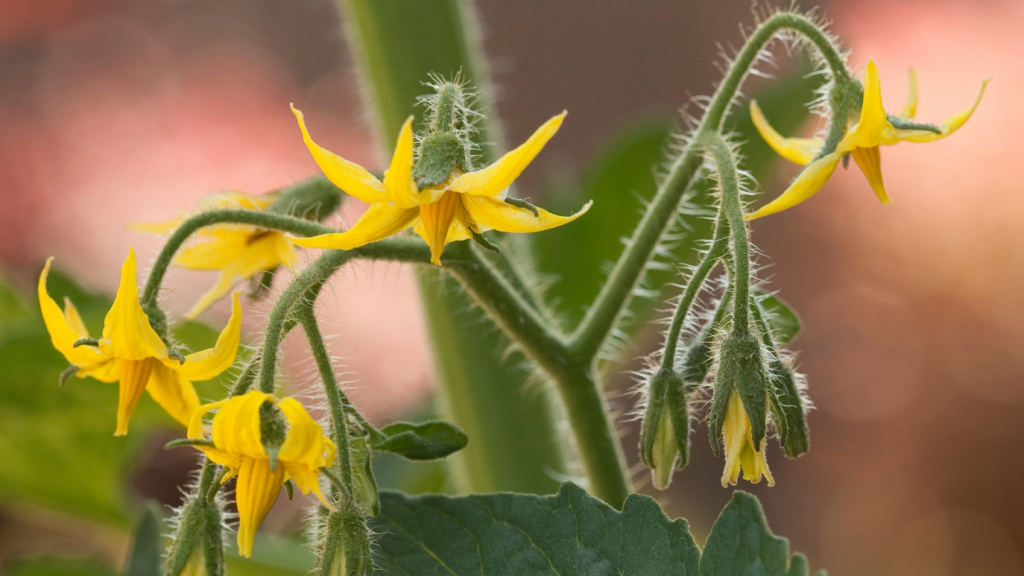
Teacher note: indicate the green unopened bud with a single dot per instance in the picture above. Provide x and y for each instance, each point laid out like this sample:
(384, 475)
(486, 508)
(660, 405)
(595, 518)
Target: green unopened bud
(345, 545)
(665, 434)
(197, 546)
(273, 429)
(446, 145)
(313, 199)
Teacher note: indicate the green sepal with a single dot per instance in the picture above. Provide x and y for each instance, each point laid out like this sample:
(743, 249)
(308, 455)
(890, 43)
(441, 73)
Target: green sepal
(85, 342)
(198, 536)
(189, 442)
(144, 556)
(741, 366)
(425, 441)
(656, 386)
(440, 153)
(289, 489)
(314, 199)
(486, 244)
(520, 203)
(259, 284)
(665, 432)
(66, 373)
(364, 485)
(699, 356)
(901, 124)
(796, 440)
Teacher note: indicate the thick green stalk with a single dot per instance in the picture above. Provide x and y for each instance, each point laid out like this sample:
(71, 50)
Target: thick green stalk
(514, 440)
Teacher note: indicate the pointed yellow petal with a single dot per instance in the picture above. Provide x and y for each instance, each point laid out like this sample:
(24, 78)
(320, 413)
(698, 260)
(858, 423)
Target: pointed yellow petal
(134, 378)
(254, 254)
(66, 327)
(951, 125)
(225, 281)
(398, 179)
(74, 319)
(806, 184)
(127, 333)
(352, 178)
(305, 442)
(380, 221)
(211, 362)
(221, 246)
(236, 428)
(255, 493)
(496, 214)
(870, 162)
(798, 150)
(436, 219)
(910, 108)
(739, 446)
(195, 422)
(173, 393)
(494, 179)
(873, 128)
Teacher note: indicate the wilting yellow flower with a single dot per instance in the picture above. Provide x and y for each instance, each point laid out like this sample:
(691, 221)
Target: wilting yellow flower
(239, 446)
(467, 203)
(873, 129)
(739, 446)
(130, 351)
(239, 251)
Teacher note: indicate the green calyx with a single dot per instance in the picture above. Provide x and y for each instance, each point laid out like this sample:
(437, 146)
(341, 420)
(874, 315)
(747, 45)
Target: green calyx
(446, 146)
(313, 199)
(665, 433)
(345, 545)
(742, 366)
(273, 429)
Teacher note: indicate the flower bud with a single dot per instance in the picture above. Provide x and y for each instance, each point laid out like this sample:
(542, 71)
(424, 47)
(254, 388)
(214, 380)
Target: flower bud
(344, 548)
(197, 547)
(313, 199)
(445, 148)
(739, 409)
(665, 433)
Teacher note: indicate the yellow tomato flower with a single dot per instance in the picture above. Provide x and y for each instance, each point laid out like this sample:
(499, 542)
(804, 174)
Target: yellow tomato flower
(238, 446)
(873, 129)
(740, 451)
(239, 251)
(131, 353)
(467, 203)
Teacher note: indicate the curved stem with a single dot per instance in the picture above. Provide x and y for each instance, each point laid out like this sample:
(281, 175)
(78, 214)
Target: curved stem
(212, 217)
(604, 314)
(693, 287)
(732, 207)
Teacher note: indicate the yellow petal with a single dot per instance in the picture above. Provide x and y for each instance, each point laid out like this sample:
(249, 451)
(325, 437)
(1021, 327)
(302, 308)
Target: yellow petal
(497, 214)
(398, 180)
(910, 108)
(222, 246)
(806, 184)
(873, 128)
(74, 319)
(798, 150)
(379, 221)
(870, 162)
(436, 220)
(108, 371)
(211, 362)
(951, 125)
(305, 442)
(236, 427)
(134, 378)
(127, 333)
(173, 393)
(739, 446)
(195, 422)
(65, 328)
(494, 179)
(259, 252)
(306, 480)
(352, 178)
(255, 493)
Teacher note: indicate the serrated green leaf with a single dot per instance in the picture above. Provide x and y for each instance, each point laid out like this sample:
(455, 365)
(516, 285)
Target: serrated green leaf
(568, 534)
(784, 322)
(741, 544)
(145, 553)
(426, 441)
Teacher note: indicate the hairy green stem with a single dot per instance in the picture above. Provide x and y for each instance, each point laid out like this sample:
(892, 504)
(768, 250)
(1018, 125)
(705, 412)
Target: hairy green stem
(193, 224)
(336, 399)
(604, 314)
(693, 287)
(732, 206)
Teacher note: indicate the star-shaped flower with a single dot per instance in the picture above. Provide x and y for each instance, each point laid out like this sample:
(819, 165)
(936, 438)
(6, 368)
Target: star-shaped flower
(463, 205)
(132, 353)
(874, 128)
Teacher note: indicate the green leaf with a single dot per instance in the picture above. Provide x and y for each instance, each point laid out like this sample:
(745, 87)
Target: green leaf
(144, 558)
(741, 544)
(784, 322)
(426, 441)
(566, 534)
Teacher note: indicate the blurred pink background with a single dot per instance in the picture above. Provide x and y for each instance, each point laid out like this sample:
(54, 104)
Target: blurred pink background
(114, 111)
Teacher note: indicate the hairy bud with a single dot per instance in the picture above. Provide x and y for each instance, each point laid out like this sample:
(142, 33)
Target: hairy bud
(345, 545)
(665, 434)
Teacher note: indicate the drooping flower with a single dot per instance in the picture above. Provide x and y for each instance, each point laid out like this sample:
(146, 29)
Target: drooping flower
(874, 128)
(465, 204)
(265, 442)
(238, 251)
(740, 451)
(131, 353)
